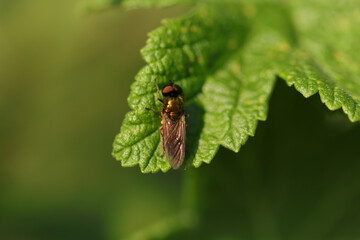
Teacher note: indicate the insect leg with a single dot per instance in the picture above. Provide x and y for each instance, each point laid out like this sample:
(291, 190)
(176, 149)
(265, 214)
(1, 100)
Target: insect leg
(162, 132)
(150, 109)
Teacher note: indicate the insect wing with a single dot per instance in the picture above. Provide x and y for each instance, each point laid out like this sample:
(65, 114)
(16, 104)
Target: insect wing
(174, 134)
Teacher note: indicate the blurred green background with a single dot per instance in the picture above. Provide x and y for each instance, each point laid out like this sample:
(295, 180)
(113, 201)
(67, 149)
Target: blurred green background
(64, 80)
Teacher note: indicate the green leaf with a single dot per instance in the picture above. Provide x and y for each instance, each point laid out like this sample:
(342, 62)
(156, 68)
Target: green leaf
(309, 78)
(228, 75)
(326, 61)
(186, 50)
(236, 97)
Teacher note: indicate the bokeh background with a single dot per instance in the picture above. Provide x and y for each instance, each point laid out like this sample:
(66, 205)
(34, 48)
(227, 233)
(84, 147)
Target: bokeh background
(64, 80)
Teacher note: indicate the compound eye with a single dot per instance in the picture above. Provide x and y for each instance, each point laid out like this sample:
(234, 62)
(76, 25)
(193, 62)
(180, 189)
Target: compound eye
(167, 90)
(178, 89)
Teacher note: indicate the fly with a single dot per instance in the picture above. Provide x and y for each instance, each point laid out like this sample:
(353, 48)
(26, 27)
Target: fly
(173, 130)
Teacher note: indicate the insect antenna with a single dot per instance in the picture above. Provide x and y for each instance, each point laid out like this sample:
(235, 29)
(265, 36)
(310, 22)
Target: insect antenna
(157, 91)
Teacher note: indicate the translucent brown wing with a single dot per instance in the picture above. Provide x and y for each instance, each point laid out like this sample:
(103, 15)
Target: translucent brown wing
(174, 134)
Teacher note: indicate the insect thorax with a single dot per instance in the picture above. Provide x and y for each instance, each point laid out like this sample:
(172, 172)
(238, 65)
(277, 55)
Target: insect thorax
(173, 107)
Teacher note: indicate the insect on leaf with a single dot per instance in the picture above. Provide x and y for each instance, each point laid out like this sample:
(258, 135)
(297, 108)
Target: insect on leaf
(226, 58)
(187, 50)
